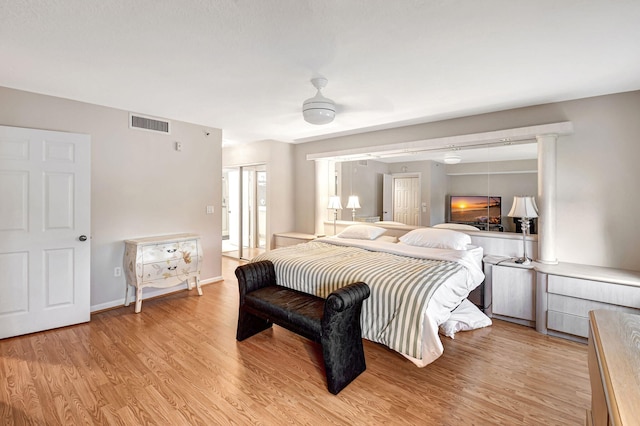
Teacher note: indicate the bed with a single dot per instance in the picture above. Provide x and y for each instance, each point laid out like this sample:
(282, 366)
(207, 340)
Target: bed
(415, 282)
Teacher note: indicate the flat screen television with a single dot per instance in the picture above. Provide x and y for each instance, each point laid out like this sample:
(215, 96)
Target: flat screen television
(475, 209)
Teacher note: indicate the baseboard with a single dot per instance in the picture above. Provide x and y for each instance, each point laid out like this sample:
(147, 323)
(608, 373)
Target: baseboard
(149, 293)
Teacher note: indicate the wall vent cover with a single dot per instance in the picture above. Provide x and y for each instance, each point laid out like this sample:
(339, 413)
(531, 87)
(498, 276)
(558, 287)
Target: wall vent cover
(150, 124)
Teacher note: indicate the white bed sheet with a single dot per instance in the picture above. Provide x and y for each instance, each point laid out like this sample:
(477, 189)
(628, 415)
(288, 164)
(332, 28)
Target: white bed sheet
(449, 295)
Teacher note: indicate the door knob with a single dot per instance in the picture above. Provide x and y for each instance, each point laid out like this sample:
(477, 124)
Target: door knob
(82, 238)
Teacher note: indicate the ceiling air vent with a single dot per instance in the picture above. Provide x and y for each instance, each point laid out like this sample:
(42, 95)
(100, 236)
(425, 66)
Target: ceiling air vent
(141, 122)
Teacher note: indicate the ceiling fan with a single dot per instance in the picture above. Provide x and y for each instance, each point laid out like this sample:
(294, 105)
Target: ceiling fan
(318, 109)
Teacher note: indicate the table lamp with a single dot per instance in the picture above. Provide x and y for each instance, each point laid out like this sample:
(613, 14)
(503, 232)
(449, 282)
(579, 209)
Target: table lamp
(525, 208)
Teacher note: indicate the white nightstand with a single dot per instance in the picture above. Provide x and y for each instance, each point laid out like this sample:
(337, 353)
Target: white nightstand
(285, 239)
(511, 288)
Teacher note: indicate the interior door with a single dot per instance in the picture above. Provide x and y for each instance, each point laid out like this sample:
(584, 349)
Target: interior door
(44, 230)
(406, 200)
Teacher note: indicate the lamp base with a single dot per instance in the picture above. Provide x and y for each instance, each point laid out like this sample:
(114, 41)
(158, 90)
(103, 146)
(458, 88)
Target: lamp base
(523, 260)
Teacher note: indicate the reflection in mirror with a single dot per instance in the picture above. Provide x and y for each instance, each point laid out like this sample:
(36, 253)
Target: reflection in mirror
(422, 189)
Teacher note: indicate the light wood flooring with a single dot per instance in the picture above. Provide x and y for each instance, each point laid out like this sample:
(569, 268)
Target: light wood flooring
(178, 363)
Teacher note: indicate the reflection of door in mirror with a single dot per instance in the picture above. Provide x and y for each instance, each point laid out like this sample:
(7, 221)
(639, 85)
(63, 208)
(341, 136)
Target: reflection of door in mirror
(406, 200)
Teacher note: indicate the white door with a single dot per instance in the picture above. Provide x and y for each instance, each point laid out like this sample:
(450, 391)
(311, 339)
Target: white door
(44, 230)
(387, 197)
(406, 200)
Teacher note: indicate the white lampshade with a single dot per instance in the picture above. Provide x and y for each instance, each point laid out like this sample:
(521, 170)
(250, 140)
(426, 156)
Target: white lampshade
(524, 206)
(334, 203)
(353, 202)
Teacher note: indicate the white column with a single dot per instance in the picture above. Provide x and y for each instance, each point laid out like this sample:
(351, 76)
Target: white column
(322, 195)
(547, 198)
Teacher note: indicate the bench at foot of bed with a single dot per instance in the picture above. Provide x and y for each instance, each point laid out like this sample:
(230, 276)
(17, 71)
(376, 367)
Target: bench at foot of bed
(334, 322)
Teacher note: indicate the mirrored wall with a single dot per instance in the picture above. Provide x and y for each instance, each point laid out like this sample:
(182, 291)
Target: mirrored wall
(474, 185)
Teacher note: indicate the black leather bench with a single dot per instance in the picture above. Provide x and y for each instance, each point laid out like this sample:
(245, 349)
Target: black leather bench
(334, 322)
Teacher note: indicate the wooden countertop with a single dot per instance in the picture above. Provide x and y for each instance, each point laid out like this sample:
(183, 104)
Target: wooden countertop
(616, 337)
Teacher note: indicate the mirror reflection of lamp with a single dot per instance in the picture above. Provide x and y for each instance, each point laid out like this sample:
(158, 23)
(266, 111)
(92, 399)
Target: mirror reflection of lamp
(334, 203)
(452, 158)
(526, 209)
(353, 204)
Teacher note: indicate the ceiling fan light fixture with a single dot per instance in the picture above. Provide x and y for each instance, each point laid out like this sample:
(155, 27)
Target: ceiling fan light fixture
(319, 110)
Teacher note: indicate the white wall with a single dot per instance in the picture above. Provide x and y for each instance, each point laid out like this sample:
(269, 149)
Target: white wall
(597, 168)
(277, 156)
(140, 186)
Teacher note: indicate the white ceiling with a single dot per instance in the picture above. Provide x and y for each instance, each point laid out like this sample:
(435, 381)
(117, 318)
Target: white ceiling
(244, 65)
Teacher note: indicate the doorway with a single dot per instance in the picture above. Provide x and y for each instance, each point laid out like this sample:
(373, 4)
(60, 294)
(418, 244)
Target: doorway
(401, 198)
(244, 211)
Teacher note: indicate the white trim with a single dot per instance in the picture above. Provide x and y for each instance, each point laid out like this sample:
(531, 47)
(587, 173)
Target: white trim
(149, 293)
(497, 136)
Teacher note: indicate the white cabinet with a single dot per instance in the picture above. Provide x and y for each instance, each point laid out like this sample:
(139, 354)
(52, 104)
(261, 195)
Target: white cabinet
(163, 261)
(557, 299)
(567, 296)
(512, 291)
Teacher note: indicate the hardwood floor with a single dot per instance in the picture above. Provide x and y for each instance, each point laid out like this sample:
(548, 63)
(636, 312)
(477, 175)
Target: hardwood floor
(178, 363)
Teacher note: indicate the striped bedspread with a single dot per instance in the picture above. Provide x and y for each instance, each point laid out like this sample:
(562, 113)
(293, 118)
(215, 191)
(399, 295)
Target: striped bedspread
(400, 286)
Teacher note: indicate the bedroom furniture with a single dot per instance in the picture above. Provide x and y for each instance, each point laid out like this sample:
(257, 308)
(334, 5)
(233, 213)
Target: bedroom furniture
(405, 309)
(614, 368)
(285, 239)
(556, 299)
(510, 290)
(567, 292)
(163, 261)
(334, 322)
(524, 208)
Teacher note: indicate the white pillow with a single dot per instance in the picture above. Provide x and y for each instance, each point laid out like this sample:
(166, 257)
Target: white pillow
(436, 238)
(456, 226)
(463, 318)
(362, 232)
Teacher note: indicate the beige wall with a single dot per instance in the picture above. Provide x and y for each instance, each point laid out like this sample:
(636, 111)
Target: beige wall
(597, 171)
(277, 156)
(140, 186)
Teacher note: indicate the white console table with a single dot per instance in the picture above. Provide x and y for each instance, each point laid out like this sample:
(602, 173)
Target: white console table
(557, 299)
(566, 293)
(163, 261)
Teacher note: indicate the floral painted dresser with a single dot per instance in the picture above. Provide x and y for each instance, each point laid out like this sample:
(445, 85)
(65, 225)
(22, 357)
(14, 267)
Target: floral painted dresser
(163, 261)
